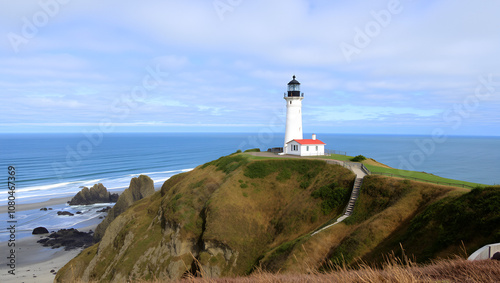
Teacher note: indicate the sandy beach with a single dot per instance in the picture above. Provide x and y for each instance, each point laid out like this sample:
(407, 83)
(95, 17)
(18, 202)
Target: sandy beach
(35, 262)
(37, 205)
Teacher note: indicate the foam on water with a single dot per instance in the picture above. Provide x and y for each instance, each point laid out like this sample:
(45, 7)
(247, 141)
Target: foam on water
(65, 189)
(29, 219)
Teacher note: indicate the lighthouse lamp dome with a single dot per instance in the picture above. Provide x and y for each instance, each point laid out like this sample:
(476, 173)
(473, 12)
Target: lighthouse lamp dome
(293, 88)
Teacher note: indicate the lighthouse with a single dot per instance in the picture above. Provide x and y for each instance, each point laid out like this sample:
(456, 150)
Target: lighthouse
(295, 144)
(293, 99)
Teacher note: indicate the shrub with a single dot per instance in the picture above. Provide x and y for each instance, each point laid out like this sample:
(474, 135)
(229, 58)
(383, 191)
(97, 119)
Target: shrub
(284, 175)
(260, 169)
(358, 158)
(305, 184)
(253, 150)
(332, 196)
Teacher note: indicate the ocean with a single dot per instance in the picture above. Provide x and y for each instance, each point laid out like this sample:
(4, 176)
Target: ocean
(59, 165)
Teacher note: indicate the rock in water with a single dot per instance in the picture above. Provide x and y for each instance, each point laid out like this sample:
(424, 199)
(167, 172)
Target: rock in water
(40, 230)
(139, 188)
(96, 194)
(65, 213)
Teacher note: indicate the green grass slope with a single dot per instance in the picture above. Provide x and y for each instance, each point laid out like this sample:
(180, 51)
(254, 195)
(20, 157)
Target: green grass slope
(428, 221)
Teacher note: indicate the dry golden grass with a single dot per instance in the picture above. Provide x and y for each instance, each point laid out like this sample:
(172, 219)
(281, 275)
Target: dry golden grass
(456, 270)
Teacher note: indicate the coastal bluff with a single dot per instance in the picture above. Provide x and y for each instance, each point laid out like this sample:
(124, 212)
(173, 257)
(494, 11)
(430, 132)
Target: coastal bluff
(238, 214)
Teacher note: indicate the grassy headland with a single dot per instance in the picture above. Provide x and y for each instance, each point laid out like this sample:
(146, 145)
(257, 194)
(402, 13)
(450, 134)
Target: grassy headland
(240, 213)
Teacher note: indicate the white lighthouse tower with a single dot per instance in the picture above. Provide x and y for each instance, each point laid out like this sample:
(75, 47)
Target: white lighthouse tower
(293, 99)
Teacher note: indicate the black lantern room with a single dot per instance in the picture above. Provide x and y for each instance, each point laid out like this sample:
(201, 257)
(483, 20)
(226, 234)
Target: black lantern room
(294, 88)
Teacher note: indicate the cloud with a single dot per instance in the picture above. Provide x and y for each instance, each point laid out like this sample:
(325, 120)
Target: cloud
(356, 112)
(91, 54)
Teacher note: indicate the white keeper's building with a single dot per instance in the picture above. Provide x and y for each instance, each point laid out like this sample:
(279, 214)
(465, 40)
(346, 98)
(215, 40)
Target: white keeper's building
(306, 147)
(295, 144)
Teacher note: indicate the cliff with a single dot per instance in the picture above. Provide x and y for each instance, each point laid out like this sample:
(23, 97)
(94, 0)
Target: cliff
(139, 188)
(231, 215)
(225, 215)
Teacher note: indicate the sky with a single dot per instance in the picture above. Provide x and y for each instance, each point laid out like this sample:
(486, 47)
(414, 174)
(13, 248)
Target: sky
(365, 67)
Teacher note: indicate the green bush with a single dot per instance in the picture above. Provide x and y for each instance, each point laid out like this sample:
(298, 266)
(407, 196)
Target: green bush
(305, 184)
(253, 150)
(260, 169)
(332, 196)
(284, 175)
(358, 158)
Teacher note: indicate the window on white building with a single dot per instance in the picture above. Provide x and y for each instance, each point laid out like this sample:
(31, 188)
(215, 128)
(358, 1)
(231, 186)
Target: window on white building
(307, 148)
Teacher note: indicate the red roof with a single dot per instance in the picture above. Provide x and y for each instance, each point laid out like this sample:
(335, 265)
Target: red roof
(308, 141)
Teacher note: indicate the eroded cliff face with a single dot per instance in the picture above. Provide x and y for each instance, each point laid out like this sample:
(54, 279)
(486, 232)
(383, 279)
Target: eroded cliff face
(139, 188)
(214, 221)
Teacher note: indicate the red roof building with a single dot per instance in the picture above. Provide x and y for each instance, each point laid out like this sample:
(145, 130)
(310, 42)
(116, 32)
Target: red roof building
(305, 147)
(309, 141)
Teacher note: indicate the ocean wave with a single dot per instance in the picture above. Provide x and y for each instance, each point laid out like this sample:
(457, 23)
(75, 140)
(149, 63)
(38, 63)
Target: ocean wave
(163, 172)
(44, 192)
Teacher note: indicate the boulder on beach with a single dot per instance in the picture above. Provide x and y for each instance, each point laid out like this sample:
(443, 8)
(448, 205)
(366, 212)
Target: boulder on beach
(106, 209)
(65, 213)
(96, 194)
(140, 187)
(40, 230)
(67, 238)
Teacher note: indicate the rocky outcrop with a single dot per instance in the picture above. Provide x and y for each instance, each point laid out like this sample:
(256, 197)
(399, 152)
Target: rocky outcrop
(139, 188)
(40, 230)
(173, 256)
(96, 194)
(67, 238)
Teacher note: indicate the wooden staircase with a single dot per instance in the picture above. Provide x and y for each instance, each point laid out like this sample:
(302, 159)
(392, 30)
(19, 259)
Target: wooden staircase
(354, 196)
(350, 205)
